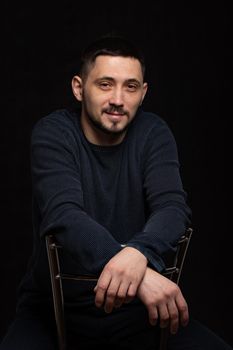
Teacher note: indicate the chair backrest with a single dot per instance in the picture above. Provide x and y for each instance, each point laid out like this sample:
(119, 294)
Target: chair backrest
(172, 272)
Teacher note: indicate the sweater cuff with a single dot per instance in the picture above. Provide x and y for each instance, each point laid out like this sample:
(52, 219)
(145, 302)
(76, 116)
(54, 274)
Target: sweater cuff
(154, 260)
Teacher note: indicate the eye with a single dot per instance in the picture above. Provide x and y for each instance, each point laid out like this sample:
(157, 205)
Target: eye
(132, 87)
(105, 85)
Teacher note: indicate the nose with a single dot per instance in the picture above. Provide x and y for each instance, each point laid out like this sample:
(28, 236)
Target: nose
(116, 98)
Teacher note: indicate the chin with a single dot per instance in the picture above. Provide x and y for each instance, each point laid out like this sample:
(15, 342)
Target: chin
(116, 130)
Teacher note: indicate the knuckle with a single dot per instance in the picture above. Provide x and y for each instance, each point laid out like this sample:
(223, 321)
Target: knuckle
(183, 308)
(175, 289)
(110, 293)
(102, 286)
(174, 316)
(131, 293)
(167, 294)
(120, 295)
(151, 303)
(165, 319)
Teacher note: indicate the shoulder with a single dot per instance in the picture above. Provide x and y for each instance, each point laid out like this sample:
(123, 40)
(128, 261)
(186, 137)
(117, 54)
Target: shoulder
(153, 137)
(60, 122)
(60, 118)
(150, 126)
(148, 118)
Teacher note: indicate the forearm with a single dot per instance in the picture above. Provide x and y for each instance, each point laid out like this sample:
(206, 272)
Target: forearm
(59, 199)
(89, 243)
(161, 234)
(167, 211)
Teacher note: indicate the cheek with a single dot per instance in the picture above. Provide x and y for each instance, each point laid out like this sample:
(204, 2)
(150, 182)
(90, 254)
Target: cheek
(96, 101)
(90, 103)
(133, 105)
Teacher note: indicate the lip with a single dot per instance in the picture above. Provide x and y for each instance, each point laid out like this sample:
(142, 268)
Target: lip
(115, 116)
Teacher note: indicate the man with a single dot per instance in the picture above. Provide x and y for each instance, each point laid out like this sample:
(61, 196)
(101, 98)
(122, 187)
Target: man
(106, 182)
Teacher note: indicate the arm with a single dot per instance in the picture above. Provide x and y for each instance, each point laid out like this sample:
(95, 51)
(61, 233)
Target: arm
(168, 216)
(163, 300)
(167, 212)
(57, 191)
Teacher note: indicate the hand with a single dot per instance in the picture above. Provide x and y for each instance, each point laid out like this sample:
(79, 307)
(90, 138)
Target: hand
(120, 278)
(164, 301)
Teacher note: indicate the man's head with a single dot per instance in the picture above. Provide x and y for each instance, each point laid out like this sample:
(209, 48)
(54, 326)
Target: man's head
(110, 87)
(109, 46)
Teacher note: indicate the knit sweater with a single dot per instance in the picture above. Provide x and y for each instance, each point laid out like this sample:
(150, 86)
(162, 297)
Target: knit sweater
(95, 198)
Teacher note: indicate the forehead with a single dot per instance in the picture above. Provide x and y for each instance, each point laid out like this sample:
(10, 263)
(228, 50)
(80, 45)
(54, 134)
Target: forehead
(117, 67)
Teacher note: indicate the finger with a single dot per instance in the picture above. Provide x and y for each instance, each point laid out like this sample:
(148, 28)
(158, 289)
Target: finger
(101, 288)
(163, 315)
(132, 290)
(173, 316)
(121, 294)
(153, 315)
(182, 309)
(110, 295)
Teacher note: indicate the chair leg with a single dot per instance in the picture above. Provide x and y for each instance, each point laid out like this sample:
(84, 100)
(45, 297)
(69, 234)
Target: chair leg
(164, 334)
(56, 283)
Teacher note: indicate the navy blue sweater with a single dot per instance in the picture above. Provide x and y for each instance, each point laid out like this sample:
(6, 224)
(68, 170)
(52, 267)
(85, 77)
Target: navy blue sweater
(95, 198)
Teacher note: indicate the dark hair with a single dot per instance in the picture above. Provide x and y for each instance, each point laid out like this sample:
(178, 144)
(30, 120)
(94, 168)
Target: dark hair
(111, 46)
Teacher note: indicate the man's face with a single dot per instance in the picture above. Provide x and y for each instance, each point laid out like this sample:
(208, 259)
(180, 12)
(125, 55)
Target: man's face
(110, 95)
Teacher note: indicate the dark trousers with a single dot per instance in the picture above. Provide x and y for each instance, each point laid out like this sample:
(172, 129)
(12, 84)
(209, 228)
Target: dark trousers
(128, 329)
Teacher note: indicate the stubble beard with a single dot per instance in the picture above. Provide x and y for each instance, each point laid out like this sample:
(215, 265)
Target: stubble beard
(112, 131)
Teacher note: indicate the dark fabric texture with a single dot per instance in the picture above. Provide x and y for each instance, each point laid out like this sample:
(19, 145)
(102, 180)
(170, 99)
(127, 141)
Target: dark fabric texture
(30, 331)
(94, 199)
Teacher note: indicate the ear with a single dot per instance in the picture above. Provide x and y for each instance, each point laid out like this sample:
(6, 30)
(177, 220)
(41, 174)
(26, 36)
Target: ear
(77, 87)
(145, 87)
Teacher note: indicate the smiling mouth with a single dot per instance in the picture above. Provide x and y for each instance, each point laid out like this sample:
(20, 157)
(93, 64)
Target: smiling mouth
(113, 116)
(114, 113)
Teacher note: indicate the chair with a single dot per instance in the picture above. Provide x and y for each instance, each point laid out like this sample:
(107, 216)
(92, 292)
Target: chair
(172, 272)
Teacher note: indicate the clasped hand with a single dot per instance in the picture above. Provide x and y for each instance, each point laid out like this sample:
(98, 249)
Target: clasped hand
(119, 281)
(126, 275)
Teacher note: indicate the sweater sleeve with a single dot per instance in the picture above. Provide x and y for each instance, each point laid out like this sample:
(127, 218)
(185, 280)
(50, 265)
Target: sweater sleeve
(168, 213)
(57, 191)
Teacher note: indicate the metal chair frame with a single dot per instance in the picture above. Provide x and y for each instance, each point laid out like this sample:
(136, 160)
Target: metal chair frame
(172, 272)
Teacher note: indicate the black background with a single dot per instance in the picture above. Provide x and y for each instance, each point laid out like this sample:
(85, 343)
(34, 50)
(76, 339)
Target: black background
(189, 60)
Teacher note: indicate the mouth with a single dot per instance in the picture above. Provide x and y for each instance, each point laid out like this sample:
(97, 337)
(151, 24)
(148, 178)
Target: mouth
(115, 115)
